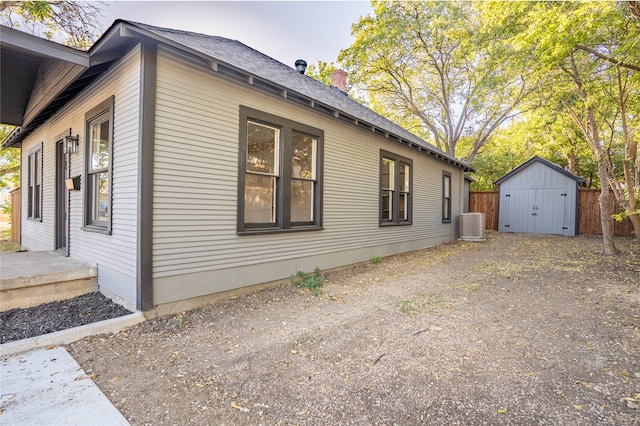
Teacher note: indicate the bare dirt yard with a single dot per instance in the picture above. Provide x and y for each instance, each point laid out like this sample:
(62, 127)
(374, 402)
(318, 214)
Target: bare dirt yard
(520, 329)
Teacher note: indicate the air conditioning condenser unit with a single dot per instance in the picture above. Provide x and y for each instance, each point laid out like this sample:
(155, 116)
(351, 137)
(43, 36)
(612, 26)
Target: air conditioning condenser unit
(472, 226)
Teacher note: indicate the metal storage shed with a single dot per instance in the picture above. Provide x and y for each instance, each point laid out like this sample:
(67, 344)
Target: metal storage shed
(539, 197)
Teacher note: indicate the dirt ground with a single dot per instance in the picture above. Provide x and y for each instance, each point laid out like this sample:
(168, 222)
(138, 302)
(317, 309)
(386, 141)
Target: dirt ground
(520, 329)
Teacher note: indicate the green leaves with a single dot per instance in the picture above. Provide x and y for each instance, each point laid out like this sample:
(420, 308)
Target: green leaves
(432, 68)
(73, 22)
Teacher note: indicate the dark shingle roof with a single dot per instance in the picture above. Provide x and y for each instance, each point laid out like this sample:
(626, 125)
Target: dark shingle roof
(249, 60)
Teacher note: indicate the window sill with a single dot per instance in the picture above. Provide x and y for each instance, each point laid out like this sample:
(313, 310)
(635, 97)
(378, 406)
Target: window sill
(385, 224)
(35, 219)
(96, 229)
(278, 231)
(446, 221)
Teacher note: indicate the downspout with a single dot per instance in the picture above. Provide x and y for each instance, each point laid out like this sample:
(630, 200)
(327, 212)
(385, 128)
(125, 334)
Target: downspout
(67, 219)
(20, 197)
(146, 136)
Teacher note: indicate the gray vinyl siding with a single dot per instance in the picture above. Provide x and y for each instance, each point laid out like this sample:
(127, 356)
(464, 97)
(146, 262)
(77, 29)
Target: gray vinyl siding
(38, 234)
(114, 254)
(195, 247)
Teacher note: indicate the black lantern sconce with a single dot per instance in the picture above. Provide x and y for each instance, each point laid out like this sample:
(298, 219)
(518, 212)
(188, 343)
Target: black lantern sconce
(71, 143)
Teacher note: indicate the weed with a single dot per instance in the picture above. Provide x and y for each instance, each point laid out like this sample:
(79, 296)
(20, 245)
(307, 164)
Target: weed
(376, 260)
(419, 303)
(313, 281)
(180, 321)
(302, 341)
(177, 321)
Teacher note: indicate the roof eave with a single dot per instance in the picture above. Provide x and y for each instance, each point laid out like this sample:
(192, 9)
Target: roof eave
(252, 79)
(43, 48)
(26, 59)
(96, 61)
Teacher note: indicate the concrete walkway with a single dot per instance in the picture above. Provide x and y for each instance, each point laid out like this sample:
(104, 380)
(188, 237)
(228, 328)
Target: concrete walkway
(48, 387)
(40, 386)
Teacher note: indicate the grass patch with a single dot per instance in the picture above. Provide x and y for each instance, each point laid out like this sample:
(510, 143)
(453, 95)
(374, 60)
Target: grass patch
(6, 245)
(420, 303)
(303, 340)
(375, 260)
(312, 281)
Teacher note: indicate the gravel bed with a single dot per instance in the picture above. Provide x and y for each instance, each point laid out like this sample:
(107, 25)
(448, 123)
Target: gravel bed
(18, 324)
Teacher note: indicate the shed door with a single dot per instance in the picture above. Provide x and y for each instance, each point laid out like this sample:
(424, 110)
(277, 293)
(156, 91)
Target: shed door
(537, 211)
(521, 210)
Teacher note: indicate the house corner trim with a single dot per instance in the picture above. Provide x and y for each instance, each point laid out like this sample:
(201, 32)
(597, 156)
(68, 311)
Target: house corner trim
(146, 136)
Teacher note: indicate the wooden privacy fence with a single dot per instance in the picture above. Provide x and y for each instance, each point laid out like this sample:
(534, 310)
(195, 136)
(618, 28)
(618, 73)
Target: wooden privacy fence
(14, 200)
(485, 202)
(588, 212)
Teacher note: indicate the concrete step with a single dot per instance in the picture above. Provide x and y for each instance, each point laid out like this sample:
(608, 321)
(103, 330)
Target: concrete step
(31, 278)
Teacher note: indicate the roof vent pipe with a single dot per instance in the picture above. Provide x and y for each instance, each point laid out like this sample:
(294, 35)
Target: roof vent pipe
(301, 66)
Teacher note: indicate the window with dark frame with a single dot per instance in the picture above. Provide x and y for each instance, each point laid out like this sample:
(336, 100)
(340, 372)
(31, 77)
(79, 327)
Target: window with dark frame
(396, 181)
(446, 197)
(99, 147)
(280, 174)
(34, 183)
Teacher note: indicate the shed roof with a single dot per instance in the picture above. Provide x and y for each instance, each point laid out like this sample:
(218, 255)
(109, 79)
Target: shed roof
(537, 159)
(234, 59)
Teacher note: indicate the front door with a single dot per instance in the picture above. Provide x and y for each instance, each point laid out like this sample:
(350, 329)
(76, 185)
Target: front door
(62, 199)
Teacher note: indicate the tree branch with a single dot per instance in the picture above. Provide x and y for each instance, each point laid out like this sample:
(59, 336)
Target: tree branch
(607, 58)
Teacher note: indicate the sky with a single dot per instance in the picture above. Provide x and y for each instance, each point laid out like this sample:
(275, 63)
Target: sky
(285, 30)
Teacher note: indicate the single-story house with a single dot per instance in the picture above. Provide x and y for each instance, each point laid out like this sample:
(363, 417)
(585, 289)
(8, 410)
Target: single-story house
(539, 197)
(184, 164)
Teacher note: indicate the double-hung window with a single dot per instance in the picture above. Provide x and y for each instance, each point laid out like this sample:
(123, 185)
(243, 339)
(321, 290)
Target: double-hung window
(446, 197)
(34, 183)
(280, 174)
(395, 189)
(99, 151)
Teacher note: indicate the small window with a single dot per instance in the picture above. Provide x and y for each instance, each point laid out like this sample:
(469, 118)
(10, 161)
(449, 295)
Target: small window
(446, 197)
(34, 183)
(99, 149)
(395, 189)
(280, 186)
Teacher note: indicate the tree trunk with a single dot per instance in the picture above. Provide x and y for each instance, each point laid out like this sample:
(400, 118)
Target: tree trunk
(590, 131)
(605, 210)
(635, 221)
(572, 160)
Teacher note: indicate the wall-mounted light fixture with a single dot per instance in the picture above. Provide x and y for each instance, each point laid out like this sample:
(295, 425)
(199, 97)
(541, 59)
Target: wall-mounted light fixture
(71, 143)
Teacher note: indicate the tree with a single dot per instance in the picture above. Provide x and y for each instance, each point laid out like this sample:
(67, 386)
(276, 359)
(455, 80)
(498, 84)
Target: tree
(429, 67)
(75, 22)
(542, 132)
(321, 71)
(634, 10)
(9, 162)
(587, 51)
